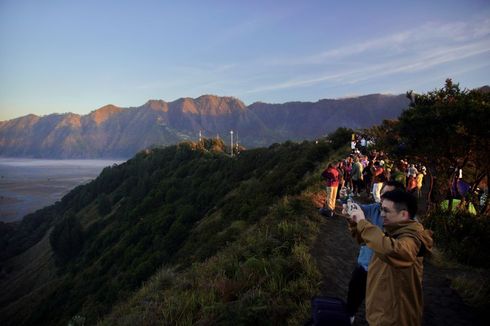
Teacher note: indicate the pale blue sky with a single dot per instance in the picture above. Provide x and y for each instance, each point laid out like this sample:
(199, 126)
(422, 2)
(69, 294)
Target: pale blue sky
(76, 56)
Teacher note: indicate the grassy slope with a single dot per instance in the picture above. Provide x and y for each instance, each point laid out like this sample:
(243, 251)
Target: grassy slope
(232, 235)
(266, 277)
(23, 289)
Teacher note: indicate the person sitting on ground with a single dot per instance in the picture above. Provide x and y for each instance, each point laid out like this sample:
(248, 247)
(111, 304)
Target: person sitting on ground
(357, 284)
(394, 281)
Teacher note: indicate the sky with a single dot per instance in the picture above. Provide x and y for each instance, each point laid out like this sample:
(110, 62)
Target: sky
(60, 56)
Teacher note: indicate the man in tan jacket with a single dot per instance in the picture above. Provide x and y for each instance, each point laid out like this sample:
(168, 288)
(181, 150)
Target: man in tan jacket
(394, 281)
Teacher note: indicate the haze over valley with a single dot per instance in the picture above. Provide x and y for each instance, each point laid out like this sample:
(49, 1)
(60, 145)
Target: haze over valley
(29, 184)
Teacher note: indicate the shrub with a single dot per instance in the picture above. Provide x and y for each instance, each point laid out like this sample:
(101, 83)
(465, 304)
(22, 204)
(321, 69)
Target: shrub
(462, 235)
(67, 238)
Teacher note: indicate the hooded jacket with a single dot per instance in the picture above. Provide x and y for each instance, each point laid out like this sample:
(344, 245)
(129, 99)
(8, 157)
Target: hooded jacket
(331, 176)
(394, 283)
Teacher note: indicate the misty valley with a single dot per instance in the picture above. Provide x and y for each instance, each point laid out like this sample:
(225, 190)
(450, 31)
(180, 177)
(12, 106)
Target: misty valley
(27, 185)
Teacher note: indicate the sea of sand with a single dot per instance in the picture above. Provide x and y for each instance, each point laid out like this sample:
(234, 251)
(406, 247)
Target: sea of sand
(27, 185)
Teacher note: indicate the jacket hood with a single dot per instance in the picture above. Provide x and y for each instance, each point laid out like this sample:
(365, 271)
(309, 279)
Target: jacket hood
(416, 230)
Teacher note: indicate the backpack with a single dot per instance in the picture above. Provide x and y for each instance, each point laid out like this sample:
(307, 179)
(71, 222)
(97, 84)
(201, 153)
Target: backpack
(329, 311)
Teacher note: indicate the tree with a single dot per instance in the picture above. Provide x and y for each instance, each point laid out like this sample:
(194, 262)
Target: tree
(104, 205)
(387, 136)
(341, 137)
(67, 238)
(446, 129)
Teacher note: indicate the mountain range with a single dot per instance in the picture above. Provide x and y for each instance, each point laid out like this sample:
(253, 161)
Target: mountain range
(116, 132)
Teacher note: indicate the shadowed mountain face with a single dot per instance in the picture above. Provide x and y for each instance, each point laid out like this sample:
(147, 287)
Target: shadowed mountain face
(306, 120)
(120, 132)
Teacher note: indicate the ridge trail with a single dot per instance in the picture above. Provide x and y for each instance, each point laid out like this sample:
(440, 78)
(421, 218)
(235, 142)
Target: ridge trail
(336, 254)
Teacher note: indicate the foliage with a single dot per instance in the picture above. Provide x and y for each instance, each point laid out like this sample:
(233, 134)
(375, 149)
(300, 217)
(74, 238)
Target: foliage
(15, 238)
(103, 204)
(474, 287)
(444, 129)
(67, 238)
(340, 137)
(456, 123)
(265, 277)
(178, 206)
(388, 137)
(464, 236)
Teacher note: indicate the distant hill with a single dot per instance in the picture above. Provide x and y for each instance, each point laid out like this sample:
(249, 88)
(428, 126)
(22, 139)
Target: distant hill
(117, 132)
(308, 120)
(484, 89)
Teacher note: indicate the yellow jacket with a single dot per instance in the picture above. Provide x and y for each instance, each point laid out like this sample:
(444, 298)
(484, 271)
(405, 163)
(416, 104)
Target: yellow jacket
(394, 282)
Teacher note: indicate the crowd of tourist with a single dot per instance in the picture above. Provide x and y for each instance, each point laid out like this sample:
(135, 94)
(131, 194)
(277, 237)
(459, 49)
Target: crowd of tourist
(389, 270)
(360, 173)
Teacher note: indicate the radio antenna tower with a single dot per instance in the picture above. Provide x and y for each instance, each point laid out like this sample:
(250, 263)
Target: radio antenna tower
(231, 144)
(236, 144)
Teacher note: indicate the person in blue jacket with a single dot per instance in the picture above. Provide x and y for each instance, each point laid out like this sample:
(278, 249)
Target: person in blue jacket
(357, 285)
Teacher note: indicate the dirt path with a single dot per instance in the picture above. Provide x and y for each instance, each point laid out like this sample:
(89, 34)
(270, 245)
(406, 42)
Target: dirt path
(442, 304)
(336, 254)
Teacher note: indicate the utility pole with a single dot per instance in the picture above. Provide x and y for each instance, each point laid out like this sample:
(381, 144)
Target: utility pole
(231, 145)
(236, 144)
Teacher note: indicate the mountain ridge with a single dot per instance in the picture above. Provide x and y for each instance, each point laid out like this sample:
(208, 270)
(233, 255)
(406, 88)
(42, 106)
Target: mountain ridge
(117, 132)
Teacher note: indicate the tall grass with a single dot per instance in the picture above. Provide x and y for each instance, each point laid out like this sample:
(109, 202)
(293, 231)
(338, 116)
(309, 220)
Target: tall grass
(266, 277)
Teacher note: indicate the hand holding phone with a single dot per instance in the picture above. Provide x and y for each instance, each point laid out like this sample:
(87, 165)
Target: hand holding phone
(355, 212)
(350, 206)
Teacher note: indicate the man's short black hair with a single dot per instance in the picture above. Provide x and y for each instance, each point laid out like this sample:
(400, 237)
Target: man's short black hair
(394, 183)
(402, 201)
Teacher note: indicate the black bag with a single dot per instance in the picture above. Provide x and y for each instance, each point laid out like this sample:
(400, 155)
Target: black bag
(329, 311)
(325, 211)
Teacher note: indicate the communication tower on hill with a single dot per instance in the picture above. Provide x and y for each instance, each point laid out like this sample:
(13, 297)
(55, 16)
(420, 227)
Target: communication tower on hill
(236, 144)
(231, 143)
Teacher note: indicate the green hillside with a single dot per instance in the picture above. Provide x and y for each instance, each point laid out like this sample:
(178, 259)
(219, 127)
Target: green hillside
(223, 237)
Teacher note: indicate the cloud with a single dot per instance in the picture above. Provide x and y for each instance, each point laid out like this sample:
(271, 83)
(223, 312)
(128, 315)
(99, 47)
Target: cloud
(404, 41)
(410, 51)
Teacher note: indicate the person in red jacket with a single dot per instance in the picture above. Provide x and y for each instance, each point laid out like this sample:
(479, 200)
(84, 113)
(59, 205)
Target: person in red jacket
(378, 179)
(331, 176)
